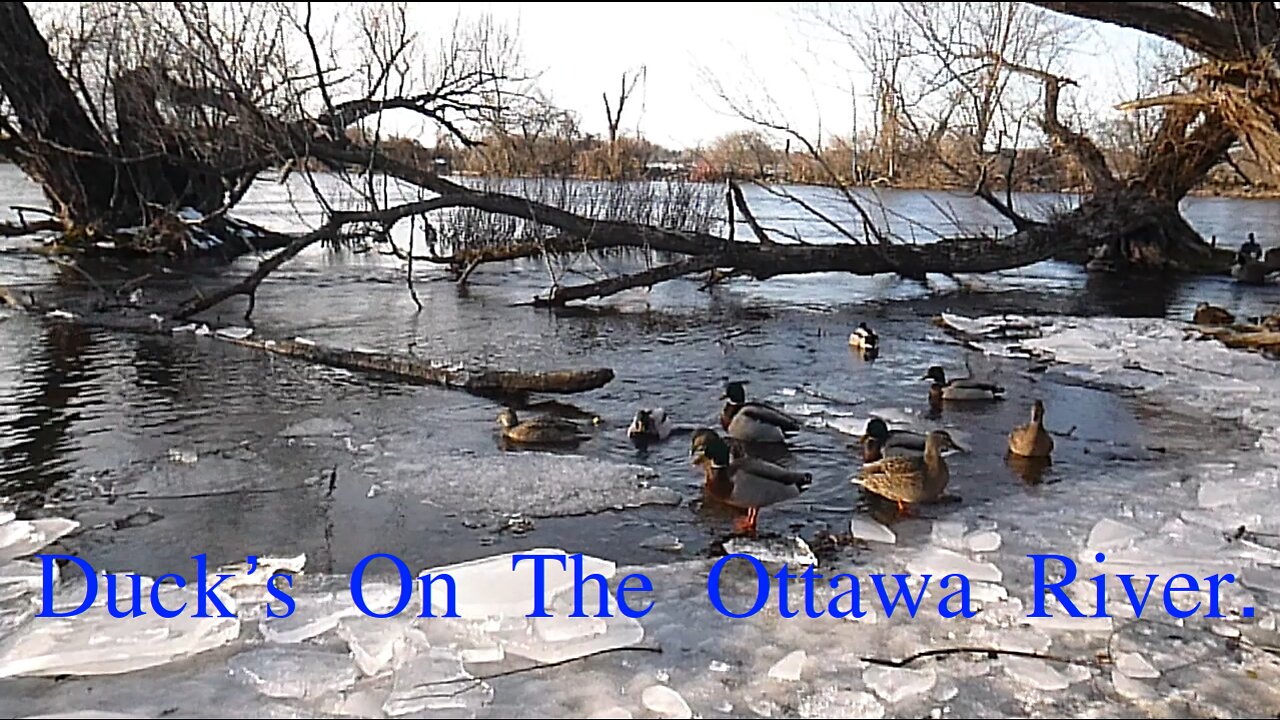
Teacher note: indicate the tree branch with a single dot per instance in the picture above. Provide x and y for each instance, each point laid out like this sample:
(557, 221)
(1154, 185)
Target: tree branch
(1172, 21)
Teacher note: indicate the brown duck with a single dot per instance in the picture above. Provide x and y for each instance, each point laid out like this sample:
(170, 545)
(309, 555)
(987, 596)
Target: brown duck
(1032, 440)
(910, 480)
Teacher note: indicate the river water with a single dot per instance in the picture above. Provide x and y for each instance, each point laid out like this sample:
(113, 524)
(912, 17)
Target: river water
(164, 448)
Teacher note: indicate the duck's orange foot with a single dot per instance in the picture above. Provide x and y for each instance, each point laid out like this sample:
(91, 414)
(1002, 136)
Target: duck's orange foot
(747, 523)
(904, 509)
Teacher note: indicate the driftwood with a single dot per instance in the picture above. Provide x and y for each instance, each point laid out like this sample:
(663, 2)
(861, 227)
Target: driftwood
(483, 381)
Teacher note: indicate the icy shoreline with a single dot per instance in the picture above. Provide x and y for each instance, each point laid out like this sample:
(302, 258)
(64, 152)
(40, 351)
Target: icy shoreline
(329, 660)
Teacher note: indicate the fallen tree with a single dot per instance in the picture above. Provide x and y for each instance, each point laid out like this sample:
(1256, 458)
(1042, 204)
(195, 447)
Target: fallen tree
(190, 133)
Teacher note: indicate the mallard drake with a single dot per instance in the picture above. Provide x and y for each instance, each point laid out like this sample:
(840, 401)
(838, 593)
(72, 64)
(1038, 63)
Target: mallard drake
(1207, 314)
(538, 431)
(878, 441)
(959, 389)
(754, 422)
(907, 480)
(743, 482)
(864, 338)
(1031, 440)
(649, 424)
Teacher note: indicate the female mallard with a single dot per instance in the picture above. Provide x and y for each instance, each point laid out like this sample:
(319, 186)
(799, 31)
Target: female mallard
(649, 425)
(864, 338)
(1031, 440)
(879, 441)
(754, 422)
(539, 431)
(1207, 314)
(743, 482)
(959, 389)
(911, 479)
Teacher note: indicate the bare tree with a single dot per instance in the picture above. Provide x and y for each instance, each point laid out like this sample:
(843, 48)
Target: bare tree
(123, 139)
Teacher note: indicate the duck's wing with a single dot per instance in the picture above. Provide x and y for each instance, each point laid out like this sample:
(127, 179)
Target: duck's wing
(969, 384)
(905, 439)
(772, 415)
(769, 471)
(753, 490)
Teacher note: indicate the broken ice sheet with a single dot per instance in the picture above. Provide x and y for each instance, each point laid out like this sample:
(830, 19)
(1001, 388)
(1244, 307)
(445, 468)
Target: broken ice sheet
(1108, 533)
(1134, 665)
(896, 684)
(373, 641)
(1042, 675)
(870, 530)
(491, 587)
(789, 667)
(293, 672)
(95, 643)
(793, 551)
(435, 680)
(940, 562)
(551, 484)
(666, 702)
(20, 538)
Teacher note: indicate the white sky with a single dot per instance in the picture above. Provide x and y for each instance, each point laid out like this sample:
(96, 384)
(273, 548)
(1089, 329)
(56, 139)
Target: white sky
(582, 49)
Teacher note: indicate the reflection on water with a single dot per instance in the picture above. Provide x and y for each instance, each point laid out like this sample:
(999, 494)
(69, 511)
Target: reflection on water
(89, 420)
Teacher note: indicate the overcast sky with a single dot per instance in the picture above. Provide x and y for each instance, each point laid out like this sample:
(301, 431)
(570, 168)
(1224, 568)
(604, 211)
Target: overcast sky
(582, 49)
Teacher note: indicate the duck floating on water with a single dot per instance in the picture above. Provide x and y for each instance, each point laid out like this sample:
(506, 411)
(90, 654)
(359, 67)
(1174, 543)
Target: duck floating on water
(1207, 314)
(911, 480)
(864, 338)
(879, 441)
(1032, 440)
(746, 483)
(967, 389)
(539, 431)
(649, 425)
(754, 421)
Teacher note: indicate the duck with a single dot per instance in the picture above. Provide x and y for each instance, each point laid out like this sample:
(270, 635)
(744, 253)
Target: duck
(1207, 314)
(959, 389)
(1248, 270)
(754, 422)
(649, 424)
(864, 338)
(743, 482)
(879, 441)
(539, 431)
(911, 480)
(1032, 440)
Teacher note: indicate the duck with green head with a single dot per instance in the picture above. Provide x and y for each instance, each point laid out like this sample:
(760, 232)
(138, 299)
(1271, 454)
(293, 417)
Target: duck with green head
(539, 431)
(964, 389)
(743, 482)
(910, 480)
(754, 421)
(879, 441)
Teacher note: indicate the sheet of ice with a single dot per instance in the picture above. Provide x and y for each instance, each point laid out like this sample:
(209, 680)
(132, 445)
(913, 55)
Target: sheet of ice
(1108, 533)
(555, 640)
(1040, 674)
(948, 534)
(293, 672)
(373, 641)
(20, 538)
(868, 529)
(1134, 665)
(493, 587)
(789, 668)
(1131, 688)
(841, 703)
(95, 643)
(939, 562)
(551, 484)
(435, 680)
(897, 684)
(982, 541)
(665, 702)
(793, 551)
